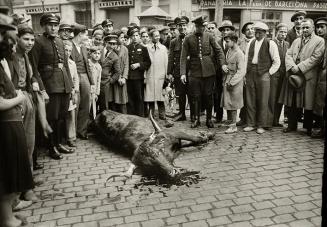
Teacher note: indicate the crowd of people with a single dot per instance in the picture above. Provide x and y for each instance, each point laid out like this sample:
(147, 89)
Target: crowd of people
(54, 84)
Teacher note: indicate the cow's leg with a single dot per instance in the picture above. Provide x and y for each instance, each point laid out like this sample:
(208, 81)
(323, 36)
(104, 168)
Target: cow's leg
(127, 174)
(195, 139)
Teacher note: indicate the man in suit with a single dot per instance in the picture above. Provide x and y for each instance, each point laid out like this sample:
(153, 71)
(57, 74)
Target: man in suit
(174, 66)
(199, 46)
(79, 56)
(49, 62)
(278, 77)
(225, 28)
(139, 61)
(296, 31)
(302, 66)
(262, 59)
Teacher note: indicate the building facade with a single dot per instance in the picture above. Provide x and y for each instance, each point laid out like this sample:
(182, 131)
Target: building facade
(123, 12)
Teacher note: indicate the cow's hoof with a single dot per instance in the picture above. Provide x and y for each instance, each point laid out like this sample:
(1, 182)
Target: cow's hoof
(195, 124)
(209, 124)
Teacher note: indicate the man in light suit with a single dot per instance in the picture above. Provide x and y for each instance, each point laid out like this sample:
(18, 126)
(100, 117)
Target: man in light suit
(79, 56)
(302, 61)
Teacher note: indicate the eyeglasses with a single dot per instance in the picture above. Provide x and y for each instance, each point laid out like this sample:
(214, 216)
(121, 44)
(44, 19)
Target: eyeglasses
(145, 36)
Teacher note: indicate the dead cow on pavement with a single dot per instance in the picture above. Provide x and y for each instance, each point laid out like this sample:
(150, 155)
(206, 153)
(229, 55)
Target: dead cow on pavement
(153, 150)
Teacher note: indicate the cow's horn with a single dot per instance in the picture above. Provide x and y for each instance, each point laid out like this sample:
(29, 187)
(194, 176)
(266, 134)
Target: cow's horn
(154, 123)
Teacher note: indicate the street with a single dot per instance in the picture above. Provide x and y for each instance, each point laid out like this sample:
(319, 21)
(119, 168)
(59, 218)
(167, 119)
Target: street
(272, 179)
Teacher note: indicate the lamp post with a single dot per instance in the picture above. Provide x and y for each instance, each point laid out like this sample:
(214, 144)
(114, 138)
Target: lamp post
(42, 6)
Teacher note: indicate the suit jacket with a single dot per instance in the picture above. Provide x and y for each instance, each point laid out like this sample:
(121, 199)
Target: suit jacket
(220, 42)
(291, 36)
(138, 53)
(74, 56)
(13, 64)
(282, 53)
(45, 57)
(202, 62)
(174, 56)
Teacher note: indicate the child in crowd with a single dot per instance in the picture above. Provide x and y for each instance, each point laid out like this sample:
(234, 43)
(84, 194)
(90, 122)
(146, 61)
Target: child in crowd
(71, 118)
(96, 69)
(232, 98)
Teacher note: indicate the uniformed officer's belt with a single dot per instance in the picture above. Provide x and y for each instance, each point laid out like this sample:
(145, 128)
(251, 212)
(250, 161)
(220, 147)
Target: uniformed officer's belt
(53, 66)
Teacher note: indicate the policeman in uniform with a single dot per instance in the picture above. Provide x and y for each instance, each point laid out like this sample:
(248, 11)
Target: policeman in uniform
(174, 56)
(139, 61)
(49, 62)
(199, 47)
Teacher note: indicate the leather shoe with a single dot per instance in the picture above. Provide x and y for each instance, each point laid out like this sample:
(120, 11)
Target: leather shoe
(65, 150)
(71, 143)
(240, 123)
(209, 124)
(54, 153)
(180, 117)
(195, 124)
(83, 137)
(37, 166)
(317, 134)
(286, 130)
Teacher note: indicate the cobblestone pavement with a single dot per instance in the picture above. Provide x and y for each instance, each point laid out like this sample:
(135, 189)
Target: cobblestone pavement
(272, 179)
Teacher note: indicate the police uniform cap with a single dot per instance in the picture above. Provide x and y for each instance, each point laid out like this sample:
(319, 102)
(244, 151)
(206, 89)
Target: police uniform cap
(261, 26)
(78, 28)
(298, 13)
(49, 18)
(111, 38)
(281, 25)
(226, 24)
(107, 22)
(5, 22)
(200, 20)
(172, 25)
(321, 20)
(63, 26)
(132, 30)
(245, 26)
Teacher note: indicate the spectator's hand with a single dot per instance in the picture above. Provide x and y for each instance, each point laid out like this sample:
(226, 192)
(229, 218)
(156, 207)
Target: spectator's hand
(45, 96)
(95, 97)
(183, 79)
(170, 77)
(225, 68)
(20, 95)
(75, 98)
(135, 66)
(35, 86)
(92, 89)
(295, 69)
(229, 87)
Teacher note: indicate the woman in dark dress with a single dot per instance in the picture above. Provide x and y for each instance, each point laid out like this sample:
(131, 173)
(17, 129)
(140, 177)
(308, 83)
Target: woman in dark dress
(15, 171)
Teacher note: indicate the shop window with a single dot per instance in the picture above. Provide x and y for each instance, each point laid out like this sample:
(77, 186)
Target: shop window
(83, 17)
(272, 19)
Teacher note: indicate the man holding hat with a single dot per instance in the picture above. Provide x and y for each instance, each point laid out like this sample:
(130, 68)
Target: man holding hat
(320, 91)
(48, 60)
(199, 47)
(262, 61)
(296, 31)
(108, 26)
(174, 56)
(302, 66)
(278, 77)
(139, 61)
(65, 31)
(248, 32)
(80, 57)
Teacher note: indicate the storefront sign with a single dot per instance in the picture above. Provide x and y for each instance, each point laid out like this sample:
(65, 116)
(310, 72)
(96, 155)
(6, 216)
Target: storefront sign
(41, 9)
(314, 5)
(118, 3)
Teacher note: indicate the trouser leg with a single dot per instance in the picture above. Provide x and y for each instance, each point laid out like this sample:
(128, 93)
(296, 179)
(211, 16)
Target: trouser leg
(293, 115)
(308, 120)
(83, 111)
(161, 110)
(218, 109)
(231, 115)
(242, 114)
(251, 106)
(71, 126)
(182, 104)
(208, 106)
(263, 112)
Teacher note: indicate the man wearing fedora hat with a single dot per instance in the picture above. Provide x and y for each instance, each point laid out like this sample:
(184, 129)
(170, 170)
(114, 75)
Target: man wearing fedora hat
(262, 61)
(173, 71)
(199, 47)
(80, 57)
(48, 60)
(302, 65)
(320, 92)
(296, 31)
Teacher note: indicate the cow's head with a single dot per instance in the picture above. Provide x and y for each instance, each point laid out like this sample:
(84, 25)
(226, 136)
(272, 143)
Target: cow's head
(154, 155)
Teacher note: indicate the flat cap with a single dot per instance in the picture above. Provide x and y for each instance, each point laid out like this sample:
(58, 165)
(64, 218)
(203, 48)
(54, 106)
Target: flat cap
(107, 22)
(49, 18)
(281, 25)
(226, 24)
(111, 38)
(77, 28)
(5, 22)
(261, 26)
(245, 26)
(63, 26)
(181, 20)
(298, 13)
(321, 20)
(200, 19)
